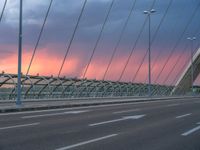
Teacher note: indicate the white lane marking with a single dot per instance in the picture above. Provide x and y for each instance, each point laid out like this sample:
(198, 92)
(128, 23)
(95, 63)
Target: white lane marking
(55, 114)
(126, 111)
(99, 106)
(117, 120)
(40, 111)
(191, 131)
(171, 105)
(19, 126)
(87, 142)
(182, 116)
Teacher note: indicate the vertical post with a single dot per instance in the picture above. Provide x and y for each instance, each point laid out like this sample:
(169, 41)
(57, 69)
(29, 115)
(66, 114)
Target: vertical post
(192, 67)
(18, 101)
(149, 59)
(148, 13)
(191, 39)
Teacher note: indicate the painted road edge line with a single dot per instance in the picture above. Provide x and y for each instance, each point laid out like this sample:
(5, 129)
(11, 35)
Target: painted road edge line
(182, 116)
(191, 131)
(171, 105)
(87, 142)
(55, 114)
(86, 107)
(106, 122)
(19, 126)
(117, 120)
(126, 111)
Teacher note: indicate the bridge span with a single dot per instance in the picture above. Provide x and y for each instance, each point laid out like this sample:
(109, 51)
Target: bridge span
(184, 83)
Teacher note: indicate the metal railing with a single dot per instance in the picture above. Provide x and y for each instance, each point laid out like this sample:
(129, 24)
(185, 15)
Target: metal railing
(48, 87)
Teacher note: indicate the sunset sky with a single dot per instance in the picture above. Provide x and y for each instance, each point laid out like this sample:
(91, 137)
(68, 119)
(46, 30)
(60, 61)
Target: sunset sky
(60, 25)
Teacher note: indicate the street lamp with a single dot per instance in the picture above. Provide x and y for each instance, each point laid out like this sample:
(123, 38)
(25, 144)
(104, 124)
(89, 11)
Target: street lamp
(191, 39)
(18, 101)
(148, 13)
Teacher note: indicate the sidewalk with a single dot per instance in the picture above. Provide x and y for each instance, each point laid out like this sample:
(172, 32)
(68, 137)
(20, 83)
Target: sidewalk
(10, 106)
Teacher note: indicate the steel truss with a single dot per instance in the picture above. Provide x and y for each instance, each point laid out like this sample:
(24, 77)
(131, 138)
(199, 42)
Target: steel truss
(49, 87)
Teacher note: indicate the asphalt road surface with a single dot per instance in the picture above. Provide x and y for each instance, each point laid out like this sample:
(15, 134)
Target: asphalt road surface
(161, 125)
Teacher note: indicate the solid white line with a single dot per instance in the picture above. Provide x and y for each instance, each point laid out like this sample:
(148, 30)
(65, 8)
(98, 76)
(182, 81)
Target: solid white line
(86, 107)
(87, 142)
(117, 120)
(106, 122)
(171, 105)
(126, 111)
(40, 111)
(182, 116)
(19, 126)
(54, 114)
(62, 109)
(191, 131)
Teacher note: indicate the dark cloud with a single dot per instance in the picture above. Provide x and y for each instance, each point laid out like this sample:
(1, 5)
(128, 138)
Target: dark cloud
(63, 16)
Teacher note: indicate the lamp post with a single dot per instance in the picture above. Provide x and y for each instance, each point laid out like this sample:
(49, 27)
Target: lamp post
(148, 13)
(192, 39)
(18, 101)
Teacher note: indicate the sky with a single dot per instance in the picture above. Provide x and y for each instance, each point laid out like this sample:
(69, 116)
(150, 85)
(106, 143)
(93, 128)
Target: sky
(181, 21)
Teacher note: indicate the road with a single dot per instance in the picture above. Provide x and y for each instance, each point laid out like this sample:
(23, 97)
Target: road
(157, 125)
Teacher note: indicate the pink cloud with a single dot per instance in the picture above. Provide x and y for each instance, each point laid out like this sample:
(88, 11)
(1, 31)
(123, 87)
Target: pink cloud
(48, 63)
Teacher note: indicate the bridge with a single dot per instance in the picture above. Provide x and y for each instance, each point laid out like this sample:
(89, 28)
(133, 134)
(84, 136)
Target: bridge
(184, 83)
(99, 75)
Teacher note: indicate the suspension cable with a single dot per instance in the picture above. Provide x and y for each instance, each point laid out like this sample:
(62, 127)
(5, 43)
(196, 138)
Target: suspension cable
(2, 12)
(153, 39)
(140, 66)
(72, 38)
(178, 60)
(134, 46)
(184, 66)
(181, 70)
(119, 40)
(177, 43)
(39, 37)
(99, 38)
(155, 62)
(174, 66)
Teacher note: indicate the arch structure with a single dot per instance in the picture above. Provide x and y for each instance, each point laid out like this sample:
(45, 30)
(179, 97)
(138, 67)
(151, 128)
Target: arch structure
(49, 87)
(184, 83)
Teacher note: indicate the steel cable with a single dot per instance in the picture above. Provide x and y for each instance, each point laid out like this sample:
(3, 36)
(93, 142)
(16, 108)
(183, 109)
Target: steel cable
(155, 62)
(183, 67)
(39, 37)
(181, 70)
(174, 66)
(177, 43)
(178, 60)
(72, 38)
(2, 12)
(134, 46)
(119, 40)
(98, 39)
(153, 39)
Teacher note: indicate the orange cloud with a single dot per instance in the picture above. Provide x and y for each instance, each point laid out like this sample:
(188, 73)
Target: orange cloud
(44, 63)
(48, 63)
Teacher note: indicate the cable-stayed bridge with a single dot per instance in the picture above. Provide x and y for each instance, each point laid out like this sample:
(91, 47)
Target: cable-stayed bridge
(99, 74)
(162, 78)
